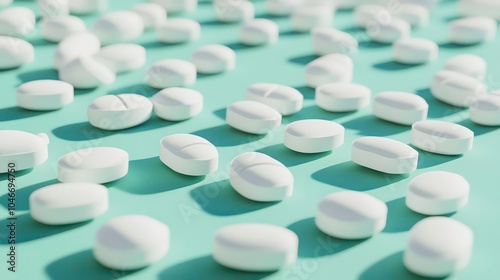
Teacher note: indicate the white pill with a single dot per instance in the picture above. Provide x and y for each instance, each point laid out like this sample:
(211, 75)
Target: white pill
(178, 30)
(93, 165)
(350, 4)
(86, 72)
(332, 68)
(114, 112)
(122, 57)
(327, 40)
(388, 33)
(437, 193)
(306, 17)
(384, 155)
(442, 137)
(234, 10)
(414, 50)
(400, 107)
(15, 52)
(313, 136)
(260, 177)
(52, 8)
(176, 6)
(468, 64)
(75, 45)
(131, 242)
(487, 8)
(342, 97)
(43, 95)
(5, 2)
(351, 215)
(457, 89)
(252, 117)
(472, 30)
(259, 31)
(211, 59)
(438, 246)
(171, 73)
(54, 29)
(284, 99)
(152, 14)
(486, 110)
(177, 104)
(370, 14)
(282, 7)
(68, 203)
(118, 27)
(189, 154)
(415, 14)
(82, 7)
(17, 21)
(21, 150)
(255, 247)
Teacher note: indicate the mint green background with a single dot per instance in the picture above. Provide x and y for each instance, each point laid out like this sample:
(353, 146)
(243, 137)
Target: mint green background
(194, 207)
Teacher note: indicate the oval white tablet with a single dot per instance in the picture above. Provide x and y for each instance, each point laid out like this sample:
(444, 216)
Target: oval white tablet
(306, 17)
(332, 68)
(414, 50)
(211, 59)
(415, 14)
(86, 72)
(369, 14)
(131, 242)
(255, 247)
(351, 215)
(342, 97)
(282, 7)
(437, 247)
(55, 29)
(53, 8)
(442, 137)
(118, 27)
(5, 2)
(171, 73)
(437, 193)
(468, 64)
(260, 177)
(178, 30)
(15, 52)
(259, 31)
(22, 150)
(487, 8)
(75, 45)
(122, 57)
(313, 136)
(68, 203)
(93, 165)
(115, 112)
(44, 95)
(457, 89)
(252, 117)
(472, 30)
(388, 33)
(83, 7)
(17, 21)
(234, 10)
(176, 6)
(327, 40)
(400, 107)
(177, 104)
(152, 14)
(486, 110)
(189, 154)
(284, 99)
(384, 155)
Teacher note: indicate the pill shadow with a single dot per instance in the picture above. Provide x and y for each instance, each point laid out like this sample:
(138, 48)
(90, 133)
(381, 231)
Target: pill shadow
(307, 92)
(314, 112)
(239, 46)
(40, 74)
(399, 217)
(23, 195)
(220, 199)
(220, 113)
(369, 125)
(426, 159)
(449, 45)
(82, 265)
(351, 176)
(353, 29)
(165, 179)
(141, 89)
(206, 268)
(16, 113)
(216, 22)
(288, 157)
(437, 108)
(28, 229)
(476, 128)
(18, 173)
(225, 136)
(303, 59)
(41, 42)
(368, 44)
(393, 66)
(313, 243)
(157, 45)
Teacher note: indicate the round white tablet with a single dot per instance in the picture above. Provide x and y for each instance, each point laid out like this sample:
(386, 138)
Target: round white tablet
(400, 107)
(171, 73)
(351, 215)
(131, 242)
(17, 21)
(259, 31)
(152, 14)
(93, 165)
(313, 136)
(189, 154)
(414, 50)
(468, 64)
(176, 6)
(82, 7)
(86, 72)
(384, 155)
(75, 45)
(122, 57)
(284, 99)
(115, 112)
(342, 97)
(44, 95)
(388, 33)
(327, 40)
(55, 29)
(282, 7)
(415, 14)
(487, 8)
(178, 30)
(21, 150)
(53, 8)
(442, 137)
(68, 203)
(305, 17)
(211, 59)
(332, 68)
(118, 27)
(15, 52)
(252, 117)
(438, 246)
(177, 104)
(234, 10)
(457, 89)
(486, 110)
(255, 247)
(472, 30)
